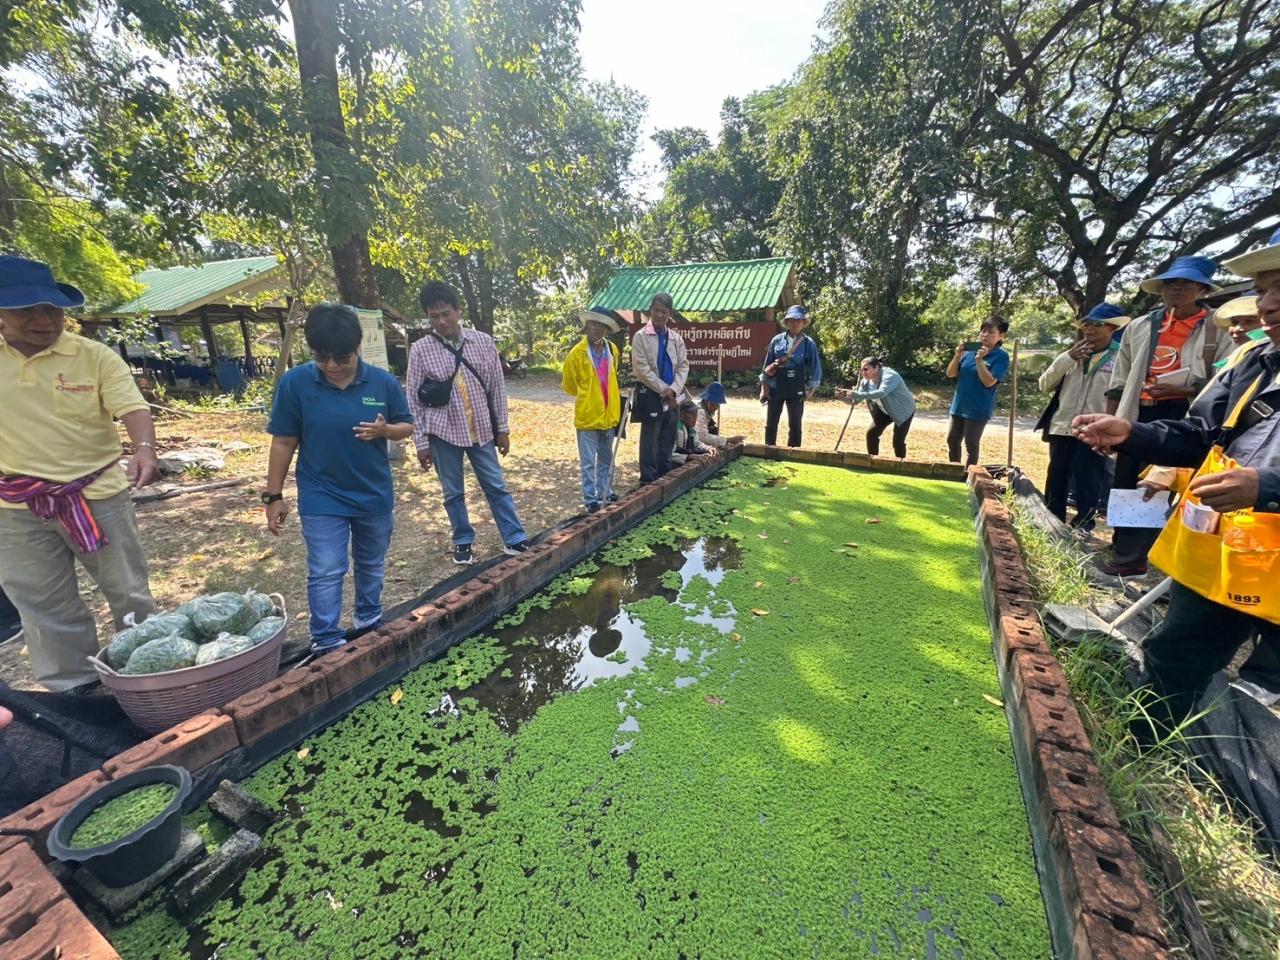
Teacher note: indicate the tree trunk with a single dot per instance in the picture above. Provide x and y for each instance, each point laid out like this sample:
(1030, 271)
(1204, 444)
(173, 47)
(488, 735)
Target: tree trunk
(8, 213)
(484, 280)
(291, 325)
(463, 266)
(345, 201)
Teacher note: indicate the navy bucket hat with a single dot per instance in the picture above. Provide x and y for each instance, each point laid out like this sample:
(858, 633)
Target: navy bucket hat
(714, 394)
(1105, 313)
(1197, 269)
(796, 313)
(26, 283)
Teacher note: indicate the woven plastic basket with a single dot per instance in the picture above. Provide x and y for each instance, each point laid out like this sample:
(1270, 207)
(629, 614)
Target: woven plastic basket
(157, 701)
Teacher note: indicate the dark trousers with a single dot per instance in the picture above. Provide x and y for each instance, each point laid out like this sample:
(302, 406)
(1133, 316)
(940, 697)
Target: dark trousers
(1130, 545)
(1072, 465)
(1195, 640)
(795, 411)
(970, 431)
(657, 440)
(879, 423)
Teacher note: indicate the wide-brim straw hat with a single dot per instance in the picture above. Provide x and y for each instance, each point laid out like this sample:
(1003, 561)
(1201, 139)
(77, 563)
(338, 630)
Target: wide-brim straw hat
(1234, 309)
(1257, 261)
(600, 317)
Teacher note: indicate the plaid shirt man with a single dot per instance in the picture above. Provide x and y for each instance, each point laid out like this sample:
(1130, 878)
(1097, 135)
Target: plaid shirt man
(464, 421)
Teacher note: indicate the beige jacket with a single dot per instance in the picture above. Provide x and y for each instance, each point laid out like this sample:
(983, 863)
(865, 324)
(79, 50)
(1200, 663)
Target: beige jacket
(644, 359)
(1081, 392)
(1133, 363)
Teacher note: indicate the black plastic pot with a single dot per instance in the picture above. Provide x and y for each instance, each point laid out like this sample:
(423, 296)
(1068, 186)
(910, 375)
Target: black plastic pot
(137, 854)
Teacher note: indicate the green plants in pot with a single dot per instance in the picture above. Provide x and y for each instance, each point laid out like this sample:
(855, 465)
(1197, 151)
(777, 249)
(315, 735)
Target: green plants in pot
(126, 829)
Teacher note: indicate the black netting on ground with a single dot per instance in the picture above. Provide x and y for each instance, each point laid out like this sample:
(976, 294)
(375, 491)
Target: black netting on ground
(54, 738)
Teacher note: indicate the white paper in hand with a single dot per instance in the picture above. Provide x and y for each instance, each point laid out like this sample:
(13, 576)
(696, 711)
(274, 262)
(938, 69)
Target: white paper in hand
(1127, 508)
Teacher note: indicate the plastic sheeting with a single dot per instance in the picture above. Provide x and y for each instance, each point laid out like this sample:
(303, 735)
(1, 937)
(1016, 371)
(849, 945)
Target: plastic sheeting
(54, 738)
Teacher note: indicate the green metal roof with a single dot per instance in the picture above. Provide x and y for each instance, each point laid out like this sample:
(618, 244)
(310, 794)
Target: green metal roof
(171, 290)
(737, 285)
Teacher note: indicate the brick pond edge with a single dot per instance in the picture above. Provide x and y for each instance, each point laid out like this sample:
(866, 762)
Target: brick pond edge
(1098, 906)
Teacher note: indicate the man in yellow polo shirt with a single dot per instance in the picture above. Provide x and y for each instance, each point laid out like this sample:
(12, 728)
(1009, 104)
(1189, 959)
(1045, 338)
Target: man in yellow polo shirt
(63, 496)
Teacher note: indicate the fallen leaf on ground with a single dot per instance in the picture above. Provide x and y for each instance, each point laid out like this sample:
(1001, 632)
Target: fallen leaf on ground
(762, 535)
(785, 540)
(759, 584)
(196, 557)
(760, 613)
(854, 545)
(992, 700)
(714, 700)
(396, 696)
(735, 637)
(304, 753)
(269, 552)
(872, 520)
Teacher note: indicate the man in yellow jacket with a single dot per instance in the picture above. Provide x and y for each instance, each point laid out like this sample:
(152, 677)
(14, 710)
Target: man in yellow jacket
(590, 376)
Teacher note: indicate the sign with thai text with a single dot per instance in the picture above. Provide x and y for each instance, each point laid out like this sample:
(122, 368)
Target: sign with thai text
(739, 346)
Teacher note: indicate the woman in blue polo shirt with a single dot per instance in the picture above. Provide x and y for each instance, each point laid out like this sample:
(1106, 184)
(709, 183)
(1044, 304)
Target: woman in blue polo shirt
(337, 413)
(977, 374)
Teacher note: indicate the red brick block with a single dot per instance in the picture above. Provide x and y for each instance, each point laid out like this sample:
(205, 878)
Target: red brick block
(48, 810)
(1038, 671)
(193, 744)
(61, 932)
(26, 887)
(852, 458)
(1108, 938)
(1051, 718)
(356, 661)
(1099, 874)
(277, 703)
(941, 470)
(1071, 783)
(1018, 631)
(760, 450)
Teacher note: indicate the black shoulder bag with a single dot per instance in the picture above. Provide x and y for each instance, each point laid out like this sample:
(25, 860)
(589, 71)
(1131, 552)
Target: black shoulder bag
(441, 390)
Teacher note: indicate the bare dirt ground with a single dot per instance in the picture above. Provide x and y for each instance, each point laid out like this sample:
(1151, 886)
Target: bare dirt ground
(216, 540)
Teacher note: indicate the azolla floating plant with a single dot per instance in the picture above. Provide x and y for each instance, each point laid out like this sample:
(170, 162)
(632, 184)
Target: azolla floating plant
(774, 744)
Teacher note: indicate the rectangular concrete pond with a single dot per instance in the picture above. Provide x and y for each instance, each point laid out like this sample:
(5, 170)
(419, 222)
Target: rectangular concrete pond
(801, 710)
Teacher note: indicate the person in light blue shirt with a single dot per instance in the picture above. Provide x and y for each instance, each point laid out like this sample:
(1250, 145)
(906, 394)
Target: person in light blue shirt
(977, 373)
(337, 414)
(889, 401)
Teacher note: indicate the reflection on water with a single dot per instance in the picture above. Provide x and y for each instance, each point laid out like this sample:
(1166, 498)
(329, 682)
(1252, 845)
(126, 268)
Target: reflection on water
(589, 637)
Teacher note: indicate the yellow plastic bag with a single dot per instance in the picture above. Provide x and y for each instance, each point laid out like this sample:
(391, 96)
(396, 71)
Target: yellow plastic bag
(1234, 562)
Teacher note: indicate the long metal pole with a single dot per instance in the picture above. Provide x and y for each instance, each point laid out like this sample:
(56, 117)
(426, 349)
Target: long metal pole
(1013, 404)
(617, 442)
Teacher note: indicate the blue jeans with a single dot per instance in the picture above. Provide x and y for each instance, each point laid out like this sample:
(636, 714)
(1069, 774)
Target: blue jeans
(595, 456)
(327, 541)
(484, 461)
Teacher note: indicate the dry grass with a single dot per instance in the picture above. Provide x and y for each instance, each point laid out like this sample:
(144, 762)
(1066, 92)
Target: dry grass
(1236, 885)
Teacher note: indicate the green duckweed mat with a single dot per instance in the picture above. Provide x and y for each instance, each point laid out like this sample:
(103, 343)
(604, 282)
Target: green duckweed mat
(773, 743)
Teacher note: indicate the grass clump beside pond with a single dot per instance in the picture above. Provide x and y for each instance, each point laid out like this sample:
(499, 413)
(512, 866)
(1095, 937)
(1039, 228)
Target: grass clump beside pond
(1235, 885)
(122, 815)
(800, 763)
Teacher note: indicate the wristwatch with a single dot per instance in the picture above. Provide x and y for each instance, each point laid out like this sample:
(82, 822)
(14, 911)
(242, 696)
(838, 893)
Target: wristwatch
(272, 497)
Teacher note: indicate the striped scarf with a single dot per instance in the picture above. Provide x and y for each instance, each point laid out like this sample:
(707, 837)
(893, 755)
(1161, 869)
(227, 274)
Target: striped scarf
(59, 501)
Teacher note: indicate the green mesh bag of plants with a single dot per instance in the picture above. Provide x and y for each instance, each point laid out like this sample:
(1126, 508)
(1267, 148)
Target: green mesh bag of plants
(225, 646)
(265, 629)
(165, 653)
(223, 613)
(130, 639)
(263, 605)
